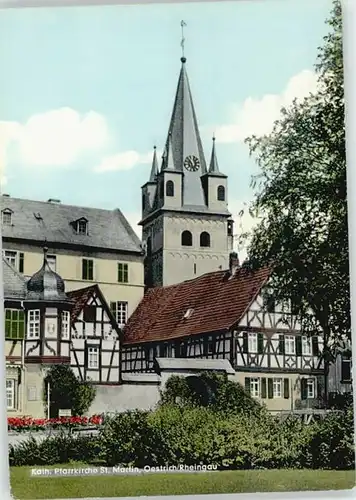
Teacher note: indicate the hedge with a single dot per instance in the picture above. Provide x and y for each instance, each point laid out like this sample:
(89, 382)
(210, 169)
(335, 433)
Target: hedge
(201, 435)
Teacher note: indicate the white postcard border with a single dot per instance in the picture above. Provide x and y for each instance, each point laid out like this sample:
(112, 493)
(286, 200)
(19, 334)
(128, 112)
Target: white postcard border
(349, 19)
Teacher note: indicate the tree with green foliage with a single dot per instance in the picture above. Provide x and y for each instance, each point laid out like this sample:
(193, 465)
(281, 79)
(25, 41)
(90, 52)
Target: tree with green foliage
(208, 389)
(67, 391)
(300, 202)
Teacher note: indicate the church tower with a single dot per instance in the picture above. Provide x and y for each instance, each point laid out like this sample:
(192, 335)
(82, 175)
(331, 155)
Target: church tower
(187, 229)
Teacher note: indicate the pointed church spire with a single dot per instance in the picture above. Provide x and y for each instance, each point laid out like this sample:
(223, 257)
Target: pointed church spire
(214, 167)
(183, 128)
(168, 162)
(154, 169)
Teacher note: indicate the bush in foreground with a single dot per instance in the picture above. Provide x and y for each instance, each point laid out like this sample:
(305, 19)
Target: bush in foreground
(174, 435)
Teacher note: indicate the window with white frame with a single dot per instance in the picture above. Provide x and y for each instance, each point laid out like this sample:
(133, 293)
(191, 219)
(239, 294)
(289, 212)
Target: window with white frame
(82, 226)
(11, 257)
(7, 217)
(52, 262)
(65, 324)
(33, 324)
(255, 387)
(310, 388)
(10, 394)
(306, 346)
(277, 387)
(120, 312)
(15, 259)
(93, 357)
(252, 342)
(289, 342)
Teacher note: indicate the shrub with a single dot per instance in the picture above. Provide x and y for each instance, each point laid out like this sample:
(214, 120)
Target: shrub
(192, 435)
(67, 391)
(127, 439)
(209, 389)
(53, 450)
(332, 445)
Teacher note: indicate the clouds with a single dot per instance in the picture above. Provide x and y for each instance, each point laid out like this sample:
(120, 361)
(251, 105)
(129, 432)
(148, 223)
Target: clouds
(60, 138)
(123, 161)
(54, 138)
(257, 116)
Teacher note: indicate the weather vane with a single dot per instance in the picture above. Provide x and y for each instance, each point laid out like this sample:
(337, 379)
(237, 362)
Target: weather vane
(182, 24)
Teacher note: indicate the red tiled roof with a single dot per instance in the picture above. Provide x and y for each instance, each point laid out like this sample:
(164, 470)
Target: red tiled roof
(218, 303)
(80, 299)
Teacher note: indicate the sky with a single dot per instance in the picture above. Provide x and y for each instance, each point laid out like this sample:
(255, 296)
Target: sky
(88, 91)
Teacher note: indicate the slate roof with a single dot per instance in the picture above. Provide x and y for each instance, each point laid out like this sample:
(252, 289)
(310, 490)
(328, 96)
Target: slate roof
(218, 303)
(46, 284)
(183, 129)
(107, 229)
(14, 282)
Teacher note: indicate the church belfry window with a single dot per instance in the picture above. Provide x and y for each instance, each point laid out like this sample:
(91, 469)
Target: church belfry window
(169, 188)
(205, 239)
(221, 193)
(143, 201)
(187, 239)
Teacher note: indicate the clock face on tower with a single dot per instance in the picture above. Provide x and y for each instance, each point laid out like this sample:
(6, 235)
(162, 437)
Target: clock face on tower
(191, 163)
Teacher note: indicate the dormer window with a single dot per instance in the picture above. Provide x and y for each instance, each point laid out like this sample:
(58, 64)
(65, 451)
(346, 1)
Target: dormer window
(81, 226)
(7, 217)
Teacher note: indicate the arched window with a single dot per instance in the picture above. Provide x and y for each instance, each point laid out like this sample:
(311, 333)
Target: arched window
(169, 188)
(143, 201)
(221, 193)
(187, 239)
(205, 239)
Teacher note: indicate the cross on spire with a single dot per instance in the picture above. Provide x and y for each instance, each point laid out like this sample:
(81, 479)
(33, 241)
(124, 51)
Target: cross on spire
(183, 24)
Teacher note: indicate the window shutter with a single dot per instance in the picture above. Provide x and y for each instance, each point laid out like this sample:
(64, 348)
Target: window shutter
(247, 384)
(260, 343)
(263, 388)
(345, 369)
(21, 262)
(315, 346)
(245, 342)
(91, 269)
(84, 269)
(286, 388)
(281, 344)
(270, 388)
(298, 345)
(303, 388)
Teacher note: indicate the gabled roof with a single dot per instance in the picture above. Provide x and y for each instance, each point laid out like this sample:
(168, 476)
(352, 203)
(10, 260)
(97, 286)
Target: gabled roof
(52, 222)
(14, 282)
(218, 303)
(80, 299)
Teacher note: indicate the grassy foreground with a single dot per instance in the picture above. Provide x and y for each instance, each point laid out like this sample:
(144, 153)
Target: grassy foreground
(26, 487)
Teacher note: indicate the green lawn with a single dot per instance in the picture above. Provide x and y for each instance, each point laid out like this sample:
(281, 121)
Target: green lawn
(26, 487)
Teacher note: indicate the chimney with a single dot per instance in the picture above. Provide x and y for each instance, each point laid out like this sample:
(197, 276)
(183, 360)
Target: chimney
(53, 200)
(234, 263)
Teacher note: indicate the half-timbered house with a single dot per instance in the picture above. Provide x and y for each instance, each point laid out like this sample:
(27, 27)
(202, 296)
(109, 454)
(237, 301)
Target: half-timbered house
(44, 326)
(229, 315)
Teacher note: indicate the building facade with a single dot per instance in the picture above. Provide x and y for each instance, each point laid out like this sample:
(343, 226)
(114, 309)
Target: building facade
(187, 229)
(46, 326)
(86, 246)
(229, 315)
